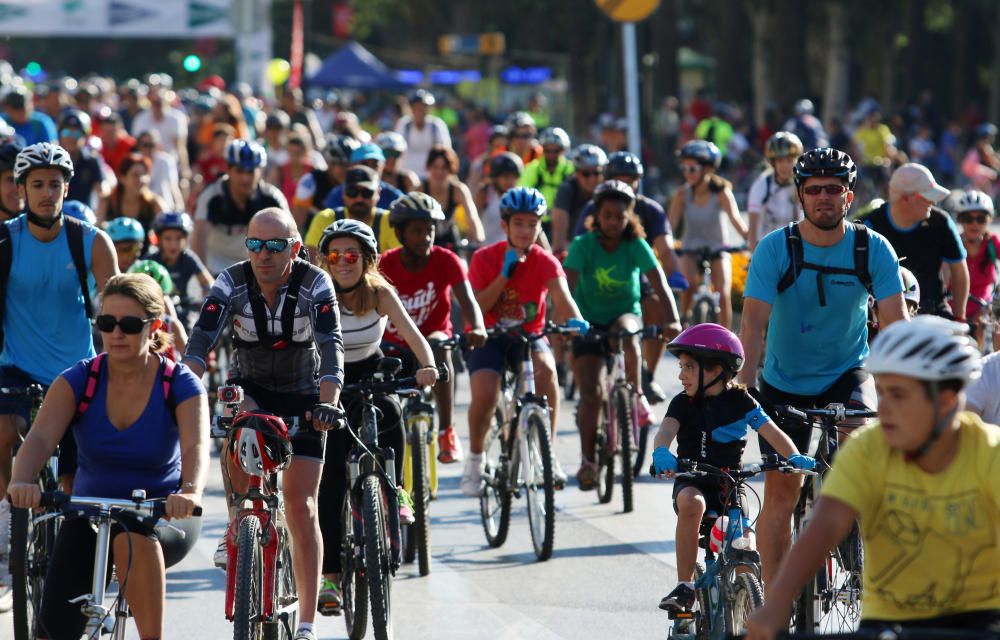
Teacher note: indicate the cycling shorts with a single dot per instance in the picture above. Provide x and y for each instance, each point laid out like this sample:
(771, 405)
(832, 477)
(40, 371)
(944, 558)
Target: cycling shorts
(307, 442)
(502, 353)
(855, 389)
(11, 376)
(715, 490)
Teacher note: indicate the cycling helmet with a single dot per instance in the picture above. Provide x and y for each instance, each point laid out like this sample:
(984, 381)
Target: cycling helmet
(985, 130)
(911, 288)
(826, 162)
(499, 131)
(8, 154)
(783, 144)
(554, 136)
(522, 200)
(157, 272)
(259, 443)
(41, 155)
(414, 206)
(927, 348)
(589, 156)
(625, 164)
(277, 119)
(390, 141)
(339, 148)
(353, 229)
(803, 107)
(125, 229)
(245, 154)
(710, 341)
(703, 152)
(506, 163)
(520, 119)
(80, 211)
(173, 220)
(973, 200)
(613, 189)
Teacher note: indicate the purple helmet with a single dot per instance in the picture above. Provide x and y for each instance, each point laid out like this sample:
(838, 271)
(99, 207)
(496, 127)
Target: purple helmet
(710, 341)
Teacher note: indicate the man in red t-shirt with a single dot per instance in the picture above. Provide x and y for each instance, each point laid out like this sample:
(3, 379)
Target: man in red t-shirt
(425, 276)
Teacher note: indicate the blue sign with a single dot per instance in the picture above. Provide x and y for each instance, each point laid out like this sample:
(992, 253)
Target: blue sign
(526, 75)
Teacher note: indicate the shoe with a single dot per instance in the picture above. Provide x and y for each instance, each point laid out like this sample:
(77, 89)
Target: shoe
(305, 634)
(647, 417)
(587, 475)
(449, 447)
(472, 480)
(559, 477)
(405, 507)
(680, 599)
(652, 391)
(221, 556)
(330, 603)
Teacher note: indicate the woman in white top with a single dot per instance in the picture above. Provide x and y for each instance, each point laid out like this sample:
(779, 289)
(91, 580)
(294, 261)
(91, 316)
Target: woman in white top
(366, 300)
(773, 202)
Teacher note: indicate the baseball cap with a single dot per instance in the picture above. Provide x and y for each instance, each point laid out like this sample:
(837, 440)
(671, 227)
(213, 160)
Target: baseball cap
(916, 178)
(367, 151)
(361, 176)
(422, 95)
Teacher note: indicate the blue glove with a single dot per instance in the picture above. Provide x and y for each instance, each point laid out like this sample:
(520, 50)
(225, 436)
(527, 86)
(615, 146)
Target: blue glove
(663, 460)
(510, 260)
(802, 462)
(678, 281)
(579, 324)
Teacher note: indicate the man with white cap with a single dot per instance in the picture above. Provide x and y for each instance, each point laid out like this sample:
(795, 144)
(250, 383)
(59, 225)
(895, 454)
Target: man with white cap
(925, 237)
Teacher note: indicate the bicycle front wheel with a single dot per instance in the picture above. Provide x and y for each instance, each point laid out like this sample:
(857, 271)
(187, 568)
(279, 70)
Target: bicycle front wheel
(30, 547)
(247, 609)
(747, 598)
(623, 419)
(420, 531)
(494, 498)
(605, 458)
(286, 596)
(376, 555)
(539, 485)
(354, 588)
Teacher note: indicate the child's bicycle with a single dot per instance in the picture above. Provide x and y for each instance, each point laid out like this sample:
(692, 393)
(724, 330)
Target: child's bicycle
(728, 584)
(705, 306)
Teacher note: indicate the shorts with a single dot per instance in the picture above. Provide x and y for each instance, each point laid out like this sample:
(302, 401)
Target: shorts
(588, 345)
(307, 442)
(855, 389)
(715, 490)
(502, 353)
(11, 376)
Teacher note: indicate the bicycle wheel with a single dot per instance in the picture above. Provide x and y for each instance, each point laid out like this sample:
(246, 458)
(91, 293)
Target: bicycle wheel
(640, 452)
(747, 598)
(420, 531)
(805, 610)
(839, 587)
(30, 547)
(703, 311)
(539, 485)
(247, 607)
(285, 595)
(623, 421)
(376, 555)
(703, 625)
(494, 501)
(605, 459)
(353, 587)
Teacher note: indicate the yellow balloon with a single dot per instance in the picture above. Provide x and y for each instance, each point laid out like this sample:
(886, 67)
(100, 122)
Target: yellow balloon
(278, 71)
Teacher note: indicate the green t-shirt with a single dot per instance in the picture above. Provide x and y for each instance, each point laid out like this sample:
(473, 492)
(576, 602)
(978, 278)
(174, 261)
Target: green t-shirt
(608, 285)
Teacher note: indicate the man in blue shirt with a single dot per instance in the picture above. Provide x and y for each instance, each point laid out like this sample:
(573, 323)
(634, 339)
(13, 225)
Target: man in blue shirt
(31, 126)
(370, 155)
(813, 302)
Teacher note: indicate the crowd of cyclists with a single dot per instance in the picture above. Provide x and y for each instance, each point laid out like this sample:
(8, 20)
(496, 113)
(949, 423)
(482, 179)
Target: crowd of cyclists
(308, 248)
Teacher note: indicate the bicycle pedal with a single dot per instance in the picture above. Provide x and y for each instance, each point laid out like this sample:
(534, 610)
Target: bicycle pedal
(685, 615)
(330, 609)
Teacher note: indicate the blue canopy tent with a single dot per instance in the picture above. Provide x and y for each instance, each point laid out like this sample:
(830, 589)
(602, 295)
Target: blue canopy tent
(354, 67)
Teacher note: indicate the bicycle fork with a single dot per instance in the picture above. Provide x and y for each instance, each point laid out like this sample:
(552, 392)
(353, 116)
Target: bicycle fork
(92, 604)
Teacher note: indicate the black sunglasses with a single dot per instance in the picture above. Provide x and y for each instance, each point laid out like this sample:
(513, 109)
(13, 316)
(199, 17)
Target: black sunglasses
(831, 189)
(359, 192)
(274, 245)
(981, 218)
(130, 325)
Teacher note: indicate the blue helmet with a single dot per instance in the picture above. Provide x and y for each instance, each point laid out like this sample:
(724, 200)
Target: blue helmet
(245, 154)
(125, 230)
(80, 211)
(522, 200)
(173, 220)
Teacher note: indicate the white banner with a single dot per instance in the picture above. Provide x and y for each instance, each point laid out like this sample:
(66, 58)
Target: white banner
(117, 18)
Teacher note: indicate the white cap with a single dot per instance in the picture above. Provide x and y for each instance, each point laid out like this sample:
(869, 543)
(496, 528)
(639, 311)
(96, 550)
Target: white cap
(916, 178)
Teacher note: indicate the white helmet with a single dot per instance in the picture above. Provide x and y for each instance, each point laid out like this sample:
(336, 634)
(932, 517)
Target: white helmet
(973, 200)
(391, 141)
(927, 348)
(39, 155)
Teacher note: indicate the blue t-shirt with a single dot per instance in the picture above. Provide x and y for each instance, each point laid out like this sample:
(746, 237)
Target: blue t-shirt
(45, 327)
(809, 346)
(38, 128)
(387, 194)
(146, 455)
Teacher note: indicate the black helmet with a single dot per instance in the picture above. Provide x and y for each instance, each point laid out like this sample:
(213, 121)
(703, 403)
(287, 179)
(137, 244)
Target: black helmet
(624, 163)
(415, 205)
(613, 189)
(826, 162)
(8, 154)
(339, 148)
(506, 162)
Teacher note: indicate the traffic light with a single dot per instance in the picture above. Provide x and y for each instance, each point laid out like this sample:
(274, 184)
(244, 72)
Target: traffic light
(192, 63)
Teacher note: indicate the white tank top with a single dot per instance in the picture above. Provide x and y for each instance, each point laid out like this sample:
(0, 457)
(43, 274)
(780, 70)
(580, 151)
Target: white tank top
(362, 334)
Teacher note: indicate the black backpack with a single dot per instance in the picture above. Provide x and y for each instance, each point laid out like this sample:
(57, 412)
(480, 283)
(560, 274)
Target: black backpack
(793, 241)
(74, 237)
(265, 340)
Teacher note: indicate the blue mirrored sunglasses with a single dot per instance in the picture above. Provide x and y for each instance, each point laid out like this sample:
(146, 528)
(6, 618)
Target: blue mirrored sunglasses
(274, 245)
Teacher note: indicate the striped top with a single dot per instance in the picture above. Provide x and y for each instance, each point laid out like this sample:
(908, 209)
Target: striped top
(362, 334)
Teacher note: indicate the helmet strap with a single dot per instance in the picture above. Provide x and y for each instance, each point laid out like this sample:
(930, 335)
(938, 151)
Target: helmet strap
(42, 222)
(702, 386)
(940, 425)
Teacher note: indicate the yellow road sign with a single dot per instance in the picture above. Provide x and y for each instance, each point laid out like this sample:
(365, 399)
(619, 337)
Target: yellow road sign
(628, 10)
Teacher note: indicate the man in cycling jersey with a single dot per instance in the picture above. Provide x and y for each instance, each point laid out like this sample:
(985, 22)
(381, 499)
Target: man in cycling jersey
(361, 192)
(923, 483)
(815, 316)
(289, 362)
(589, 162)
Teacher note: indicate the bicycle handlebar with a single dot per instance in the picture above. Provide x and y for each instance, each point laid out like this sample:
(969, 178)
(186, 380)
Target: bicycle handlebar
(151, 510)
(695, 469)
(221, 424)
(831, 413)
(379, 383)
(30, 391)
(650, 331)
(517, 332)
(708, 253)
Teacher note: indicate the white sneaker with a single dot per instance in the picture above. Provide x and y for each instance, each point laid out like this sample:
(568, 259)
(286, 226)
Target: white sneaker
(472, 481)
(305, 634)
(221, 556)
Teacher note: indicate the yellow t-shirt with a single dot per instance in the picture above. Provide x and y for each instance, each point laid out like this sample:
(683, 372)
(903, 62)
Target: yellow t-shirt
(385, 235)
(932, 541)
(871, 143)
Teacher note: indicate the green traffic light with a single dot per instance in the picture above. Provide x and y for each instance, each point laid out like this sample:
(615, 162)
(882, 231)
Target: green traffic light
(33, 68)
(192, 63)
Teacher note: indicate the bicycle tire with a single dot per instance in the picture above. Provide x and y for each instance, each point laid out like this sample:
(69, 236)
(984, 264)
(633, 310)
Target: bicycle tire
(353, 587)
(703, 624)
(804, 615)
(494, 500)
(376, 556)
(420, 530)
(285, 594)
(247, 604)
(640, 452)
(30, 547)
(623, 420)
(748, 596)
(703, 311)
(605, 459)
(541, 500)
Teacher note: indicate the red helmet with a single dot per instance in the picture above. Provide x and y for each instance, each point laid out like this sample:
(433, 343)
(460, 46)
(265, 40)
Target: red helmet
(710, 341)
(260, 443)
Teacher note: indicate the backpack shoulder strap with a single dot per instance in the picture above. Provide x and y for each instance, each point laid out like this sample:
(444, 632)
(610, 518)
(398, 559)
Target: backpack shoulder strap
(768, 181)
(377, 228)
(861, 255)
(793, 242)
(6, 260)
(168, 370)
(299, 270)
(257, 304)
(90, 389)
(74, 236)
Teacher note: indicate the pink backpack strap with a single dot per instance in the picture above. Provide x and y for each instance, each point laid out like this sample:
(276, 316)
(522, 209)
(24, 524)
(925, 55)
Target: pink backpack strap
(90, 388)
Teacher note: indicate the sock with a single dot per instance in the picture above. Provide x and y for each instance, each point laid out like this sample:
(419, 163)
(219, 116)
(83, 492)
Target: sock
(687, 584)
(304, 626)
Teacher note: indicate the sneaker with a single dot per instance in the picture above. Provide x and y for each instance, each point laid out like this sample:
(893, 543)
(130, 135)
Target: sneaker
(221, 555)
(587, 475)
(559, 477)
(405, 507)
(647, 417)
(449, 447)
(652, 390)
(305, 634)
(680, 599)
(472, 480)
(330, 601)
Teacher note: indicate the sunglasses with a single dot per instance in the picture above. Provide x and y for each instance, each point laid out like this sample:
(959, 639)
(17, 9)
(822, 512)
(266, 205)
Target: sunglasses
(274, 245)
(979, 219)
(692, 169)
(524, 136)
(350, 256)
(551, 150)
(70, 133)
(830, 189)
(359, 192)
(130, 325)
(391, 154)
(589, 174)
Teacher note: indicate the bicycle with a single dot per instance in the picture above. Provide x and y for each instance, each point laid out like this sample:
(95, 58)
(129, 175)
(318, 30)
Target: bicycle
(705, 305)
(261, 596)
(31, 543)
(896, 633)
(728, 585)
(517, 456)
(103, 512)
(832, 599)
(370, 550)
